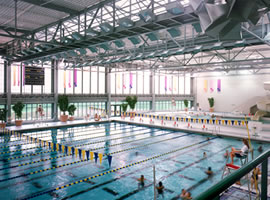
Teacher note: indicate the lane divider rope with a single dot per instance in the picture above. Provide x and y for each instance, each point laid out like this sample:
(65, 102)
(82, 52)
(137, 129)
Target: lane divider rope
(116, 169)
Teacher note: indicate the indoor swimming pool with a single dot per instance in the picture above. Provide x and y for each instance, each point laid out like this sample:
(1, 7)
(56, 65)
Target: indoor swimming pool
(31, 171)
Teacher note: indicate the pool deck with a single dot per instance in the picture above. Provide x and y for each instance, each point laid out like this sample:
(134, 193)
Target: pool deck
(224, 131)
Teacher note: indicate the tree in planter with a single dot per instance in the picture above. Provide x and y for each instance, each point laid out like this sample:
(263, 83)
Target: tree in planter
(63, 106)
(3, 117)
(211, 104)
(124, 107)
(132, 100)
(18, 108)
(71, 110)
(186, 104)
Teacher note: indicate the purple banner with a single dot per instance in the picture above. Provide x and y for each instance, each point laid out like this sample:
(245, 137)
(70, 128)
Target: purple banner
(69, 79)
(19, 75)
(219, 85)
(212, 86)
(166, 83)
(130, 80)
(75, 77)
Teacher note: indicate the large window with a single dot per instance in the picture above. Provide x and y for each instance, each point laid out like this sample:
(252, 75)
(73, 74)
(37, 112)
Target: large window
(101, 83)
(83, 108)
(168, 105)
(2, 74)
(29, 112)
(142, 105)
(86, 80)
(94, 80)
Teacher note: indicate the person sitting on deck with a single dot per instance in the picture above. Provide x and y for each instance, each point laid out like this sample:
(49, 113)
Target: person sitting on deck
(97, 117)
(241, 152)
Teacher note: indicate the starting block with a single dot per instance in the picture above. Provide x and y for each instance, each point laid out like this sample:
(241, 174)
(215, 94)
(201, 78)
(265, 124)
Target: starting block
(141, 120)
(175, 124)
(152, 121)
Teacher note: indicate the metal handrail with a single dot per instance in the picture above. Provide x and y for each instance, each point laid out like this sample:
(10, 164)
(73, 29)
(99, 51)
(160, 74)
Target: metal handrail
(214, 191)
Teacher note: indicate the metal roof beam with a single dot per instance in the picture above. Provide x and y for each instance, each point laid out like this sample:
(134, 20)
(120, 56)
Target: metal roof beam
(52, 6)
(10, 29)
(29, 39)
(102, 3)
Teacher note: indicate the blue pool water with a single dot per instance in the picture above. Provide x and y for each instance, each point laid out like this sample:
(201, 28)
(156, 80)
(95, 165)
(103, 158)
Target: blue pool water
(31, 171)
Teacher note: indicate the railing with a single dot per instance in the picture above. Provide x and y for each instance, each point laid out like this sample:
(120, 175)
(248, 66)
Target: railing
(217, 189)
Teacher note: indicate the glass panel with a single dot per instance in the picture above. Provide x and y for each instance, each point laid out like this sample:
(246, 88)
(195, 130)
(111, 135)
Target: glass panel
(69, 81)
(94, 80)
(78, 89)
(101, 80)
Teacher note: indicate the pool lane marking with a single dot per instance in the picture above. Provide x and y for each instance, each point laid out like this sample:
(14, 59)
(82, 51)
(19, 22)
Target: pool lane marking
(90, 150)
(19, 140)
(35, 154)
(122, 176)
(1, 147)
(62, 156)
(171, 174)
(117, 169)
(84, 160)
(192, 187)
(78, 129)
(174, 156)
(92, 132)
(121, 133)
(73, 137)
(128, 174)
(78, 145)
(19, 150)
(55, 172)
(128, 149)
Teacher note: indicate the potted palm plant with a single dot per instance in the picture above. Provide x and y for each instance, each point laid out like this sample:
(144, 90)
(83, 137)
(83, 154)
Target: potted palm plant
(63, 106)
(3, 117)
(71, 110)
(186, 105)
(124, 107)
(131, 100)
(211, 104)
(18, 108)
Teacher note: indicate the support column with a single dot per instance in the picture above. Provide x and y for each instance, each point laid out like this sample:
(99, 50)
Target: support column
(193, 86)
(54, 80)
(152, 90)
(264, 183)
(7, 88)
(108, 90)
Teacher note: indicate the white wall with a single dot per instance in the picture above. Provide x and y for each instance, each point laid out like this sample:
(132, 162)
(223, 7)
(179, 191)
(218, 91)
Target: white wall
(236, 91)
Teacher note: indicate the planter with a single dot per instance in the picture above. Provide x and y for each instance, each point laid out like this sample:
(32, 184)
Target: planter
(2, 125)
(211, 110)
(63, 118)
(18, 122)
(71, 118)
